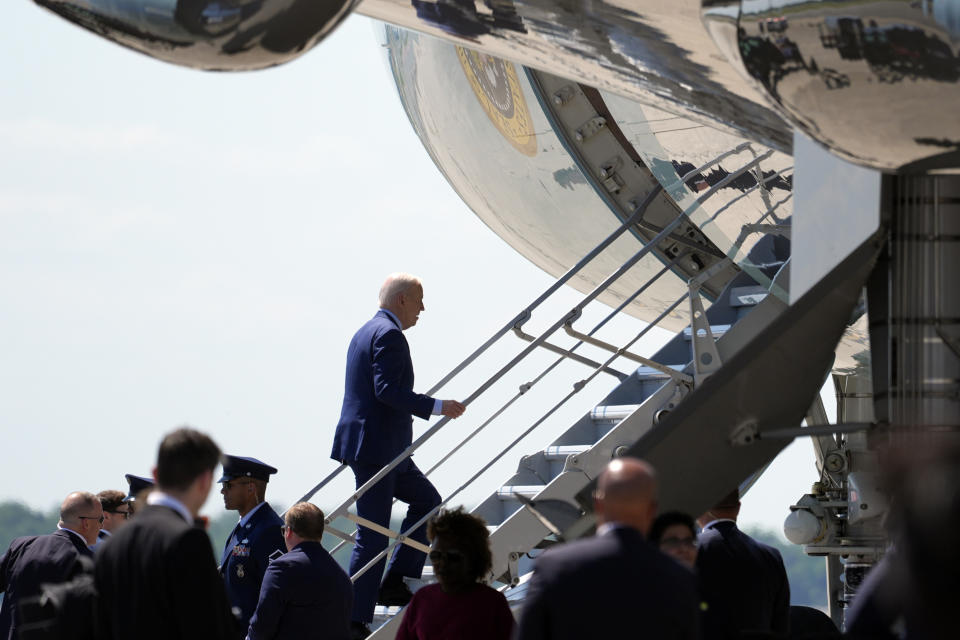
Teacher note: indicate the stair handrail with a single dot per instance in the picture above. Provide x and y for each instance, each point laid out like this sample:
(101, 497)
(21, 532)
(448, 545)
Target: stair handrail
(525, 315)
(576, 389)
(527, 386)
(521, 318)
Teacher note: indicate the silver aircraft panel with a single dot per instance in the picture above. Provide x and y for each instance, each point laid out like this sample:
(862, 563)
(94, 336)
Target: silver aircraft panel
(481, 122)
(672, 145)
(482, 125)
(655, 51)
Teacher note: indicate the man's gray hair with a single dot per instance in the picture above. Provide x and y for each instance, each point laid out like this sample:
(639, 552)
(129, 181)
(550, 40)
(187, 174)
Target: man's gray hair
(394, 285)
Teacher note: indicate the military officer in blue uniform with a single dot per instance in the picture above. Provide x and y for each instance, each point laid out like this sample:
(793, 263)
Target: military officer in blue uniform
(137, 485)
(256, 539)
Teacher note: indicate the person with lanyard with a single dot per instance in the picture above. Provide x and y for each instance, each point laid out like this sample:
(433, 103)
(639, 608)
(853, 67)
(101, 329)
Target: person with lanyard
(256, 539)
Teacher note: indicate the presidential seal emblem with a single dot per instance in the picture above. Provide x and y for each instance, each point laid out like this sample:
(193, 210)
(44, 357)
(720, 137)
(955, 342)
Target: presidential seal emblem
(497, 88)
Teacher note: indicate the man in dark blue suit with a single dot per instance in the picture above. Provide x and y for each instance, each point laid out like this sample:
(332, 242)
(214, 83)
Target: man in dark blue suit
(743, 581)
(615, 584)
(49, 559)
(375, 426)
(305, 593)
(256, 538)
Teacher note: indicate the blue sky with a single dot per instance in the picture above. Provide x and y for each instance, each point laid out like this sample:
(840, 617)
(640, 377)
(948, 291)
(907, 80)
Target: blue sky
(187, 247)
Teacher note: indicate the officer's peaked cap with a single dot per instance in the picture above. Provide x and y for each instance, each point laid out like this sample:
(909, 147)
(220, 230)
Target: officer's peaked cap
(241, 467)
(137, 484)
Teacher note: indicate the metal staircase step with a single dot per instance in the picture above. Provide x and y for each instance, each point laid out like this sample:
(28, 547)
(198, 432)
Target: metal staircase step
(562, 452)
(613, 413)
(716, 329)
(507, 492)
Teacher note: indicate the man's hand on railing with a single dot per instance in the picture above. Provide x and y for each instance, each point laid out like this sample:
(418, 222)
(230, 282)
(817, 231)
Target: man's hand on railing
(452, 409)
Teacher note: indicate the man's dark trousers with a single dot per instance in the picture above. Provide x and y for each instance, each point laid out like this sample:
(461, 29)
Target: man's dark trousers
(407, 484)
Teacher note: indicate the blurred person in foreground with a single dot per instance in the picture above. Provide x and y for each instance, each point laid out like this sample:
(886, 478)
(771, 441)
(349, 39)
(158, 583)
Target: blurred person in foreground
(157, 578)
(675, 534)
(305, 594)
(912, 593)
(54, 558)
(614, 584)
(460, 605)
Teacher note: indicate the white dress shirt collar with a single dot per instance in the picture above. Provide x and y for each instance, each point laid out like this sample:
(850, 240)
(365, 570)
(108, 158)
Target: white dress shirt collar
(718, 521)
(79, 537)
(160, 498)
(245, 519)
(393, 317)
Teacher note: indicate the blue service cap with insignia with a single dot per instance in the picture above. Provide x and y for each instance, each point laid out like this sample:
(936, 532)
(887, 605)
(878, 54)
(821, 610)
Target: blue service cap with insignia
(137, 484)
(240, 467)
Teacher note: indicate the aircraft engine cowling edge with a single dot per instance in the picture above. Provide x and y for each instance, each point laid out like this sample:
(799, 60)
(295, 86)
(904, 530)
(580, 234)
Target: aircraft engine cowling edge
(216, 35)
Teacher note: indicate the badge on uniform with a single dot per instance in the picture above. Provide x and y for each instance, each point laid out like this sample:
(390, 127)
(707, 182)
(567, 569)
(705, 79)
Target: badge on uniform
(240, 571)
(276, 554)
(241, 551)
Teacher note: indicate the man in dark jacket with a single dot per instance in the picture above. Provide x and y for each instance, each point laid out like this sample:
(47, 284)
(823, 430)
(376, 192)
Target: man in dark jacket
(157, 578)
(49, 559)
(305, 593)
(743, 581)
(375, 426)
(615, 584)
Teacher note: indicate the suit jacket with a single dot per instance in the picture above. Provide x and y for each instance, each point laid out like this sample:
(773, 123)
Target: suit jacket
(743, 582)
(157, 579)
(244, 564)
(305, 595)
(614, 585)
(378, 399)
(31, 562)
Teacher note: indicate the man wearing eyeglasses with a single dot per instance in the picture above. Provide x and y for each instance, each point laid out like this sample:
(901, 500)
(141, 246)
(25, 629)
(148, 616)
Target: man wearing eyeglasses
(256, 539)
(54, 558)
(115, 513)
(304, 590)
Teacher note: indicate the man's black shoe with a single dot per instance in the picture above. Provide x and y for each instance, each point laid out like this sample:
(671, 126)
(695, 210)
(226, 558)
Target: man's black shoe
(359, 631)
(394, 595)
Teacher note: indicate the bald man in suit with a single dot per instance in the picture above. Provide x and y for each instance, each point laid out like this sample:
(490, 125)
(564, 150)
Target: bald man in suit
(614, 584)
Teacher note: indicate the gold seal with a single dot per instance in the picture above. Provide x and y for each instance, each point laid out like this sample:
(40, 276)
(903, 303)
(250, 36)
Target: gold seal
(497, 88)
(240, 571)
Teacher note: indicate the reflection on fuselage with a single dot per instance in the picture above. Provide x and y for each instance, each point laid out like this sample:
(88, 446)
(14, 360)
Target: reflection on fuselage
(874, 81)
(481, 120)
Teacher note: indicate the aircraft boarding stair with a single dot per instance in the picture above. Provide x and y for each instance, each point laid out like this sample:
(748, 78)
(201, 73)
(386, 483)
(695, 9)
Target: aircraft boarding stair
(640, 400)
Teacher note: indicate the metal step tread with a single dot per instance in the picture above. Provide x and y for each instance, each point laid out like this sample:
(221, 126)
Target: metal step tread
(526, 490)
(562, 452)
(615, 412)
